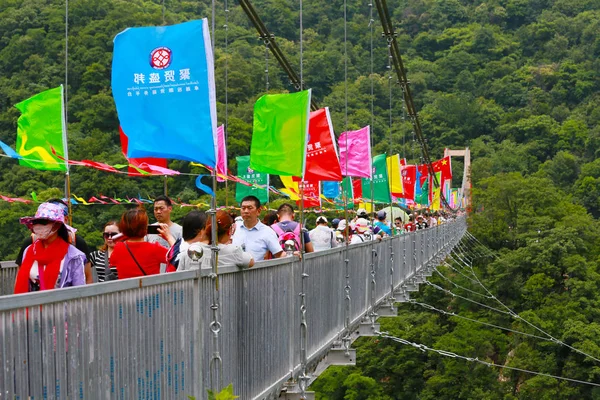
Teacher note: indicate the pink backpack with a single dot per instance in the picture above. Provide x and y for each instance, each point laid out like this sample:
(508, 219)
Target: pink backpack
(289, 235)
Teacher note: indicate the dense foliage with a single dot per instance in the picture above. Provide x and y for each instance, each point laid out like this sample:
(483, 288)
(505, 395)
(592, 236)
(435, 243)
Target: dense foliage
(515, 80)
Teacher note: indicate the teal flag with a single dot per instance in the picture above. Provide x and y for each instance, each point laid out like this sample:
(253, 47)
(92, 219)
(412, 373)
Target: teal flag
(280, 133)
(251, 176)
(381, 187)
(422, 198)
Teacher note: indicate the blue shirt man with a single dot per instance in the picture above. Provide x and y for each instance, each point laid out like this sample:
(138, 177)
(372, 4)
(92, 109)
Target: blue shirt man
(382, 224)
(255, 237)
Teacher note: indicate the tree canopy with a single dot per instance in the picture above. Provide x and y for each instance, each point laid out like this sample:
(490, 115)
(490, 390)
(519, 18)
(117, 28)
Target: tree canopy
(517, 81)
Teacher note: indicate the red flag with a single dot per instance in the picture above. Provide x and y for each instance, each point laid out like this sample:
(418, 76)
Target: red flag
(444, 166)
(312, 194)
(159, 162)
(409, 177)
(322, 162)
(357, 189)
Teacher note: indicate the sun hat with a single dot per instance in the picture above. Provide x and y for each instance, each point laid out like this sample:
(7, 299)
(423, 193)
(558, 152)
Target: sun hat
(361, 225)
(48, 211)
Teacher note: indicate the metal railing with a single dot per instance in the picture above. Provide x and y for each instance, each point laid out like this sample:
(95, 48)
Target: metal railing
(150, 338)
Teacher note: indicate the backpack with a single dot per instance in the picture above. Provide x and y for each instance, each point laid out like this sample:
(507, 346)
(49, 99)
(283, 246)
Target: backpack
(289, 235)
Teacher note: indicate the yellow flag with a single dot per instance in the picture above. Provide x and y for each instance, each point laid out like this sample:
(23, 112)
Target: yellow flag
(394, 177)
(436, 203)
(366, 206)
(291, 187)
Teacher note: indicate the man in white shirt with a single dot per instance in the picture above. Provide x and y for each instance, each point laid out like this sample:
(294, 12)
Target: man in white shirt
(322, 237)
(253, 236)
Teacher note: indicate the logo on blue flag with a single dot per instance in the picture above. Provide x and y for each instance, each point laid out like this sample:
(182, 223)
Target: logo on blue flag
(164, 89)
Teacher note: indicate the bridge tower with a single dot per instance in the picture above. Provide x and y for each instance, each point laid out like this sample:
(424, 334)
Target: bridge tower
(465, 190)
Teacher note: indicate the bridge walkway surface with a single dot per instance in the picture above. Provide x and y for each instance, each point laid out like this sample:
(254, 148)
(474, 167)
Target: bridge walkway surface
(172, 335)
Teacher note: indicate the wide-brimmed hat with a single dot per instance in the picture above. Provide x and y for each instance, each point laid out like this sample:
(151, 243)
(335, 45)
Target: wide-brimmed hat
(50, 212)
(362, 225)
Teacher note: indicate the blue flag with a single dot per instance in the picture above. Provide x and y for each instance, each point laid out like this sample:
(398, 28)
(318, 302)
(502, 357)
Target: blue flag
(331, 190)
(164, 89)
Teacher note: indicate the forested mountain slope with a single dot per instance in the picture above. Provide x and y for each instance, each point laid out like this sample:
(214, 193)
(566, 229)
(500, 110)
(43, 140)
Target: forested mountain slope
(515, 80)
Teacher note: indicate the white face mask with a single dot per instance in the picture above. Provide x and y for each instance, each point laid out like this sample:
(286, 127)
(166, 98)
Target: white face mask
(43, 232)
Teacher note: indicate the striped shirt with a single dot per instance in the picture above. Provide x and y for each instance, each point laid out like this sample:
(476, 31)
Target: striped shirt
(98, 260)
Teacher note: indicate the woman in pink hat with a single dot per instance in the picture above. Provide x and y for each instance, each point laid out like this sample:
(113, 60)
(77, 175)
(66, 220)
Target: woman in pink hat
(50, 262)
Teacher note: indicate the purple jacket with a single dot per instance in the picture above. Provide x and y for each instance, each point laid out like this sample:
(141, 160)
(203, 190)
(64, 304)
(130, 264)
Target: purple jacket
(73, 273)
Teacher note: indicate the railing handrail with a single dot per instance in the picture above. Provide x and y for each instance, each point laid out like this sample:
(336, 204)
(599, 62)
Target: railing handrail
(259, 315)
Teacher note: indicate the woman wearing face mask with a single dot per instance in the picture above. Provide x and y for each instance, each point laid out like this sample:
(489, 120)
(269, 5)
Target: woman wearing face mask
(50, 262)
(99, 258)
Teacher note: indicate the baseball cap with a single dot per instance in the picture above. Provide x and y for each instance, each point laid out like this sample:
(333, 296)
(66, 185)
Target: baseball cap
(361, 212)
(321, 219)
(381, 214)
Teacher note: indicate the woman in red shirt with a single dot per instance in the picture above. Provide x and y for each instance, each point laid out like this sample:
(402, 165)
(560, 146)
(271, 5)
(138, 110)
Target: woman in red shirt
(135, 257)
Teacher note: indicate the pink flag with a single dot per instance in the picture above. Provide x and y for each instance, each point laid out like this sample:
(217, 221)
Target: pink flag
(355, 153)
(221, 154)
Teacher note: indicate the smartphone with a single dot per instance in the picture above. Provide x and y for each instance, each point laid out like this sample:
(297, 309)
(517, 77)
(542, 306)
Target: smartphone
(153, 229)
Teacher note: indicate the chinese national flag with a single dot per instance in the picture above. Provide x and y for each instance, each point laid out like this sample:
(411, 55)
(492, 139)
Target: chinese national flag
(445, 167)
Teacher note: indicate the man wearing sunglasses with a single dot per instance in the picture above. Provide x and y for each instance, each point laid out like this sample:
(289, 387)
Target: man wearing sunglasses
(77, 240)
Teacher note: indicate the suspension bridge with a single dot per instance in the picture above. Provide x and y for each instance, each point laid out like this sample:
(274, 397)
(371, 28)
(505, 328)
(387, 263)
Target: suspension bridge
(269, 330)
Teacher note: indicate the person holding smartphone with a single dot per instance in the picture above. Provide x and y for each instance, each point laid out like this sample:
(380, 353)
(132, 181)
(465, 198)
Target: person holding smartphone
(162, 213)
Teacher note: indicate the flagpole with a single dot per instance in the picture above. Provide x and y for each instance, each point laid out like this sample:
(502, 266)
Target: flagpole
(64, 98)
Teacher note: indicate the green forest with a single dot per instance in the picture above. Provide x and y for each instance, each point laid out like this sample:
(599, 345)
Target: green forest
(517, 81)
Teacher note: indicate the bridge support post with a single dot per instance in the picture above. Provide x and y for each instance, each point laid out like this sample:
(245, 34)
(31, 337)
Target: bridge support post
(388, 311)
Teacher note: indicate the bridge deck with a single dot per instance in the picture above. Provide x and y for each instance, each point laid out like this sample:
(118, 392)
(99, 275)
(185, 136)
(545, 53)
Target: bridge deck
(151, 337)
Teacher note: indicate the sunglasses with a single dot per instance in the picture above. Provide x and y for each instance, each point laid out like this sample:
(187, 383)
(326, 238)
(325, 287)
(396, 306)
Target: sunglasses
(41, 222)
(109, 234)
(398, 223)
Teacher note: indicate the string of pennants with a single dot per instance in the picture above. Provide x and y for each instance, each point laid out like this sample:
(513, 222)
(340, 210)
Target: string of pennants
(105, 200)
(167, 110)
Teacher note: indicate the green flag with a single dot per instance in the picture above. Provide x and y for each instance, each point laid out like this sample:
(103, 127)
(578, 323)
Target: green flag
(381, 188)
(247, 174)
(40, 129)
(423, 197)
(280, 133)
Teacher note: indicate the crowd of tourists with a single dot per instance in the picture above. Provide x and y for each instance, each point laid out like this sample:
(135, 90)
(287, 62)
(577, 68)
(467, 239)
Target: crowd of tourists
(55, 256)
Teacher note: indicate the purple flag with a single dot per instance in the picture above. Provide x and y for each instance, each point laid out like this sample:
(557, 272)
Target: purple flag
(221, 154)
(355, 153)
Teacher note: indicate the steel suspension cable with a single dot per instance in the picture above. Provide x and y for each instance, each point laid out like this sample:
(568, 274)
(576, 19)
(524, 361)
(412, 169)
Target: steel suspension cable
(518, 317)
(389, 33)
(452, 314)
(445, 353)
(264, 33)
